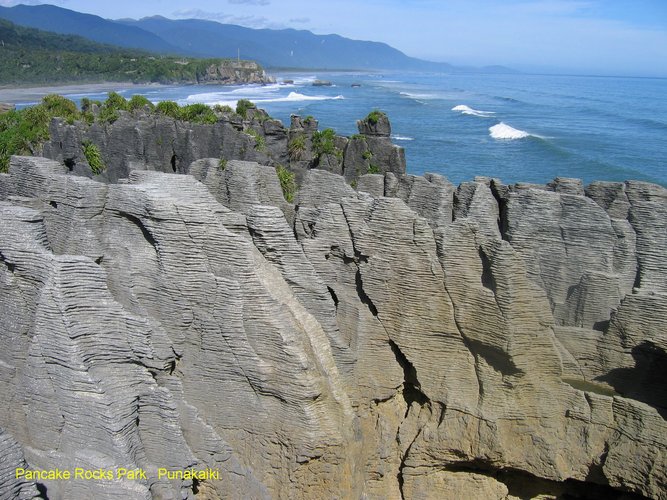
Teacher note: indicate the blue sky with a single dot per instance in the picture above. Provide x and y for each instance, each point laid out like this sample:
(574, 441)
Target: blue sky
(612, 37)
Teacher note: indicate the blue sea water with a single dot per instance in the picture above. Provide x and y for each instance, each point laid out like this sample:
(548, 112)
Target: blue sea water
(515, 127)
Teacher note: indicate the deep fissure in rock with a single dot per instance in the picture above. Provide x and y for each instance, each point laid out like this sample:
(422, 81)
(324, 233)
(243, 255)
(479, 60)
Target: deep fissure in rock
(365, 299)
(137, 222)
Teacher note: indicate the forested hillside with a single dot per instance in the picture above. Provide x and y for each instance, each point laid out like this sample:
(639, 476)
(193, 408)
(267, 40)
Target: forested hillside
(33, 56)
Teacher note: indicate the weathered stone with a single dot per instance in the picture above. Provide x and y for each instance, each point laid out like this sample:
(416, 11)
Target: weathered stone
(372, 184)
(11, 486)
(406, 340)
(567, 186)
(568, 243)
(4, 107)
(378, 125)
(321, 187)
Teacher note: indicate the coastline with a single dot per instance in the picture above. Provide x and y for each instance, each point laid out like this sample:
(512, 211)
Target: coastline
(16, 94)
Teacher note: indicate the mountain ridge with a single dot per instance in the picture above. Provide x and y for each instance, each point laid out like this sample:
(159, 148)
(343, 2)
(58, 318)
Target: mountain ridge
(31, 55)
(203, 38)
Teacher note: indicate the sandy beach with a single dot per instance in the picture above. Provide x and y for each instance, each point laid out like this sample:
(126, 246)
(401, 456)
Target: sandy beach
(15, 95)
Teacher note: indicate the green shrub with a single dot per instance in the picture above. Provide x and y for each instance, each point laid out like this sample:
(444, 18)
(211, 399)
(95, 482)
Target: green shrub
(297, 147)
(116, 101)
(108, 115)
(220, 108)
(260, 142)
(22, 131)
(374, 116)
(139, 102)
(374, 169)
(287, 183)
(242, 107)
(56, 105)
(197, 113)
(324, 142)
(86, 104)
(222, 164)
(168, 108)
(93, 157)
(367, 155)
(87, 109)
(354, 184)
(12, 142)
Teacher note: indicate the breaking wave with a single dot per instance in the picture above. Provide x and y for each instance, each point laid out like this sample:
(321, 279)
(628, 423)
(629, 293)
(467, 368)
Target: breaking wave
(295, 97)
(467, 110)
(223, 99)
(502, 131)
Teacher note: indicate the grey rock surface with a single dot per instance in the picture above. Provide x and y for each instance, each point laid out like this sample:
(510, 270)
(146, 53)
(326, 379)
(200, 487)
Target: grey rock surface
(11, 486)
(410, 339)
(145, 140)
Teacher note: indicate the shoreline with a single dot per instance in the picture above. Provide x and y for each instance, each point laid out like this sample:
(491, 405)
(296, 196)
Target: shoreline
(18, 94)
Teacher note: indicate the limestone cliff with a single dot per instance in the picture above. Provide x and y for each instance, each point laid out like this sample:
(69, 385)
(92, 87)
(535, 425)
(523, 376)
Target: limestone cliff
(149, 140)
(410, 339)
(230, 72)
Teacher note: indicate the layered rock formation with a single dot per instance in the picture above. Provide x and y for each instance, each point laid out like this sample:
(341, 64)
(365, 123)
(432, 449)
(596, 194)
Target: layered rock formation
(411, 339)
(230, 72)
(152, 141)
(4, 107)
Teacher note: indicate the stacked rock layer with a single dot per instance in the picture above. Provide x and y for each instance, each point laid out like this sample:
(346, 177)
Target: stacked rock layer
(410, 339)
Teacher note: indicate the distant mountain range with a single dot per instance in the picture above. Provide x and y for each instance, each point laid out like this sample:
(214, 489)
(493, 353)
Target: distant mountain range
(287, 48)
(30, 55)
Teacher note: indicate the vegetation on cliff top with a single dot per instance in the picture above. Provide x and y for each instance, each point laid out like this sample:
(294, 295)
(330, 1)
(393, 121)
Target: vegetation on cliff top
(22, 132)
(375, 116)
(287, 183)
(93, 157)
(33, 56)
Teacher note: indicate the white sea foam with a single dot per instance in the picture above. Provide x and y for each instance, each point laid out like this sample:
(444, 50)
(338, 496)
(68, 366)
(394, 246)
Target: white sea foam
(467, 110)
(503, 131)
(227, 99)
(258, 89)
(417, 96)
(295, 97)
(402, 138)
(301, 80)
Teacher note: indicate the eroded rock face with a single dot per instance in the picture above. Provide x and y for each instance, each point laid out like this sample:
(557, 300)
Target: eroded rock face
(410, 339)
(147, 140)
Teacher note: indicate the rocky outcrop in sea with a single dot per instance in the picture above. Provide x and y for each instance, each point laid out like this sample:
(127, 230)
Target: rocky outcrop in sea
(405, 339)
(231, 72)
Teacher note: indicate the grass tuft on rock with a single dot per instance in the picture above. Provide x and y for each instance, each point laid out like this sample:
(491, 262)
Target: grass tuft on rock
(287, 183)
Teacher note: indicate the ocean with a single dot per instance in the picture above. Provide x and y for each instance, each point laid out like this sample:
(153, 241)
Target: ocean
(515, 127)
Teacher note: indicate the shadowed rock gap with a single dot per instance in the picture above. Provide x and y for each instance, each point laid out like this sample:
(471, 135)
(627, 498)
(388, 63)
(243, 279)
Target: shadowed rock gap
(334, 297)
(644, 382)
(365, 299)
(522, 484)
(488, 281)
(411, 394)
(137, 222)
(10, 267)
(502, 211)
